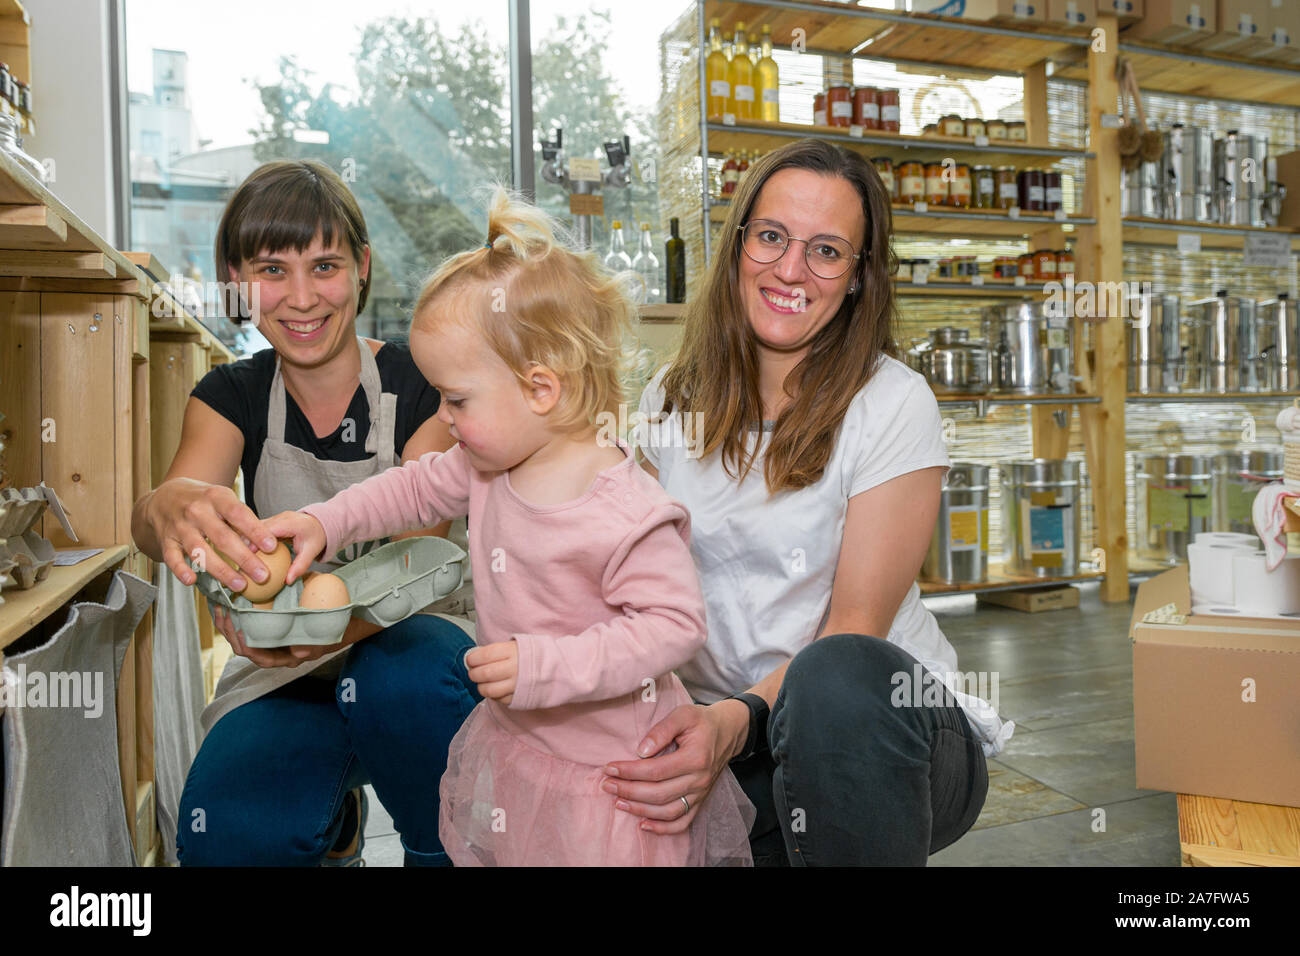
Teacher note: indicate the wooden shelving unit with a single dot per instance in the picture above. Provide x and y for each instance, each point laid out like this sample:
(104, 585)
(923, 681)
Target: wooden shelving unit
(1165, 232)
(16, 50)
(998, 580)
(23, 610)
(958, 223)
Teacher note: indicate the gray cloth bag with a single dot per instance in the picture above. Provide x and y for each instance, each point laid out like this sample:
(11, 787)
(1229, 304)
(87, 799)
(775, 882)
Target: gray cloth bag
(178, 699)
(63, 786)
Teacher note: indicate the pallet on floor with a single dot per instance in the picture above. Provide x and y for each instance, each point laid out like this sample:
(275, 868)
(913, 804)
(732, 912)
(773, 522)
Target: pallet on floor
(1213, 831)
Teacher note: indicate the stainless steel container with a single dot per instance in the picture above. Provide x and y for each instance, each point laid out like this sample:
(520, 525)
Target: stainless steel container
(1189, 178)
(1228, 335)
(1042, 511)
(1238, 476)
(1241, 171)
(959, 547)
(1141, 194)
(1030, 350)
(1173, 504)
(956, 365)
(1280, 326)
(917, 355)
(1154, 350)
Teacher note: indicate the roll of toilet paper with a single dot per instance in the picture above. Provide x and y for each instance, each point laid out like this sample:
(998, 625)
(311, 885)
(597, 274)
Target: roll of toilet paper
(1227, 537)
(1256, 590)
(1210, 570)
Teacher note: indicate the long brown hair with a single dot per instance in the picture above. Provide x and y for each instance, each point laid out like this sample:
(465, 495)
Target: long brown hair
(283, 205)
(716, 370)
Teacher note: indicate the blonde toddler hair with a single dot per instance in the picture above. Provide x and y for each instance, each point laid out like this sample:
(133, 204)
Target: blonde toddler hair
(537, 302)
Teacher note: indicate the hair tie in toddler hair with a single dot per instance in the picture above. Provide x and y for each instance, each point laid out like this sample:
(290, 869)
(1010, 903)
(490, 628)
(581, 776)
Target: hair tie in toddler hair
(488, 244)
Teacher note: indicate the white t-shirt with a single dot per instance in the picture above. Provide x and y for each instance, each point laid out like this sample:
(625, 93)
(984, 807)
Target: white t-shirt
(767, 563)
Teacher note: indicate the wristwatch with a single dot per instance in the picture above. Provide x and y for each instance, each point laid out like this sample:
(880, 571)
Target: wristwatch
(756, 739)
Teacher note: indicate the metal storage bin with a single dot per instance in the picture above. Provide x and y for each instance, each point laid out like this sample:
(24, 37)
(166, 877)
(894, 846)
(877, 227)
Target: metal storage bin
(1280, 327)
(959, 547)
(1238, 476)
(1030, 351)
(1174, 503)
(1042, 512)
(1226, 336)
(1154, 350)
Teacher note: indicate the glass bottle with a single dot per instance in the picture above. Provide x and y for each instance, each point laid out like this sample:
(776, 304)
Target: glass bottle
(742, 168)
(715, 69)
(730, 175)
(675, 265)
(616, 260)
(752, 42)
(767, 83)
(646, 265)
(740, 73)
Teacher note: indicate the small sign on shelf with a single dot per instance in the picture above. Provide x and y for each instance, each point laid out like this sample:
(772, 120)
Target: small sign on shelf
(1189, 242)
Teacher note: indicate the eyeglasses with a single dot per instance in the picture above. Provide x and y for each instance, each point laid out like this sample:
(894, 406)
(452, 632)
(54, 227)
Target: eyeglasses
(829, 257)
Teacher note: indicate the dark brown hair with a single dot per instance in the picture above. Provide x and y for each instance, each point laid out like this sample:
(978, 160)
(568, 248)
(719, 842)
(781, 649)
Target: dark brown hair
(716, 369)
(283, 205)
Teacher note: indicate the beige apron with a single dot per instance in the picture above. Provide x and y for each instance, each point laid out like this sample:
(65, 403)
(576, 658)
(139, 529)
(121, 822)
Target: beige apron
(289, 478)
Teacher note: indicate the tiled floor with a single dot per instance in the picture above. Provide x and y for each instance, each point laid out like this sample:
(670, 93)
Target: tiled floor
(1061, 793)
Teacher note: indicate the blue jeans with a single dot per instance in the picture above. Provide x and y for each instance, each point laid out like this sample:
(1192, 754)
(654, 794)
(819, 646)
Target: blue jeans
(850, 779)
(271, 775)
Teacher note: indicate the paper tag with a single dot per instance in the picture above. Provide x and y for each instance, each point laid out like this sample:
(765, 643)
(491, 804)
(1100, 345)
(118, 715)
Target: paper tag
(1194, 16)
(1020, 281)
(855, 130)
(728, 119)
(1059, 215)
(920, 276)
(920, 206)
(1268, 249)
(1165, 615)
(1110, 121)
(1057, 322)
(583, 170)
(1245, 25)
(976, 280)
(1013, 212)
(1189, 242)
(63, 559)
(56, 506)
(981, 140)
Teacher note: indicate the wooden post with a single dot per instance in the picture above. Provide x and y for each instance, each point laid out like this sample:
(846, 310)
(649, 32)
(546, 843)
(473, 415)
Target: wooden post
(1100, 254)
(1036, 104)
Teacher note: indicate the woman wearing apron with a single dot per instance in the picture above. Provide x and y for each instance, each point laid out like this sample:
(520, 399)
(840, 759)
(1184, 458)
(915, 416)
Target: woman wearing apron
(293, 734)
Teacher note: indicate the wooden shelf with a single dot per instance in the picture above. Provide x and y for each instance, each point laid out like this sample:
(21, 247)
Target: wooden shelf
(23, 610)
(1154, 397)
(962, 223)
(1005, 398)
(954, 289)
(841, 30)
(760, 135)
(1165, 232)
(1000, 581)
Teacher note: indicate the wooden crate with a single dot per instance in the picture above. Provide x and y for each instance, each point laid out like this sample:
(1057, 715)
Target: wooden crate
(1218, 832)
(1034, 600)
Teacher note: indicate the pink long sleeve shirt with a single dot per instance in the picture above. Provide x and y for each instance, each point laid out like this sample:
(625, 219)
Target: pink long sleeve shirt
(600, 593)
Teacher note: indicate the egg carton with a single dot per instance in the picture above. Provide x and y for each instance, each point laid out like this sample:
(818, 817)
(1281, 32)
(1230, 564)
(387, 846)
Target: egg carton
(22, 509)
(386, 586)
(27, 558)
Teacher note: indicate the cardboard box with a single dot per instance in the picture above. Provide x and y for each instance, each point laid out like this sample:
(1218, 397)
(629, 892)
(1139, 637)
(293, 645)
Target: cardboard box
(1283, 28)
(1033, 600)
(1179, 22)
(1241, 28)
(1126, 10)
(1073, 13)
(1288, 174)
(1007, 11)
(1215, 708)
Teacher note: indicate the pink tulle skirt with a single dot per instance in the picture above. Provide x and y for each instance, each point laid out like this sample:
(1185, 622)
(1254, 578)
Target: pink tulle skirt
(505, 803)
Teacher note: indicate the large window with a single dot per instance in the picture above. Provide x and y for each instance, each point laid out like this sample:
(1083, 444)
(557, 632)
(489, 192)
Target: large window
(408, 101)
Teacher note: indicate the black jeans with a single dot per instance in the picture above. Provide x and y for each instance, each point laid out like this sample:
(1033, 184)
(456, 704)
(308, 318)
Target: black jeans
(852, 779)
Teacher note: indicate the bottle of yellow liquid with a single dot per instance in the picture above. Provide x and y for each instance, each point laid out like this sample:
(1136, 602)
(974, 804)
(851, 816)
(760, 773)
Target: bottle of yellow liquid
(715, 71)
(740, 74)
(767, 82)
(752, 41)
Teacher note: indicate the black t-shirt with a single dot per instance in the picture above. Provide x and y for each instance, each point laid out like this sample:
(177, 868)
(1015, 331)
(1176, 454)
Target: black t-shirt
(241, 391)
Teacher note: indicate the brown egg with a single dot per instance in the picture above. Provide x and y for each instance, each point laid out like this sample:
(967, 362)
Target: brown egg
(277, 564)
(323, 592)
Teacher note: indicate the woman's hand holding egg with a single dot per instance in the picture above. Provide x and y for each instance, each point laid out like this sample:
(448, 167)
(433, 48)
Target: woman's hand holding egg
(307, 535)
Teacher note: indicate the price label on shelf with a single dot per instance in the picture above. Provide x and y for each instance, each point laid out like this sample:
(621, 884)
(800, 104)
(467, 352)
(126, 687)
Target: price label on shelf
(920, 206)
(976, 280)
(1060, 215)
(981, 141)
(920, 275)
(728, 119)
(1268, 249)
(1013, 212)
(1189, 242)
(855, 130)
(1020, 282)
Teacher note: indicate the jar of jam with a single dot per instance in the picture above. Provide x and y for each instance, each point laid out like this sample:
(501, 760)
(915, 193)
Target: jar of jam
(1064, 264)
(1025, 265)
(945, 268)
(936, 187)
(959, 188)
(1051, 190)
(1007, 192)
(1030, 189)
(970, 266)
(839, 106)
(995, 129)
(975, 127)
(1005, 267)
(885, 167)
(952, 125)
(1016, 132)
(1044, 265)
(911, 182)
(930, 129)
(889, 114)
(984, 187)
(866, 108)
(819, 109)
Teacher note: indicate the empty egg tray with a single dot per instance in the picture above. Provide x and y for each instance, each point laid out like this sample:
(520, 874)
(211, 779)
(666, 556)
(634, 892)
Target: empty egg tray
(24, 555)
(386, 586)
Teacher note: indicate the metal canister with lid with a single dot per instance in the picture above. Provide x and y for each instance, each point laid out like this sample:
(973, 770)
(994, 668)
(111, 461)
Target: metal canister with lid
(1230, 340)
(1042, 512)
(1174, 503)
(959, 548)
(955, 363)
(1154, 354)
(1280, 324)
(1031, 348)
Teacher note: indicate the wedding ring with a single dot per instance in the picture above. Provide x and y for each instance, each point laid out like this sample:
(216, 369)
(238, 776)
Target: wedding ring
(687, 804)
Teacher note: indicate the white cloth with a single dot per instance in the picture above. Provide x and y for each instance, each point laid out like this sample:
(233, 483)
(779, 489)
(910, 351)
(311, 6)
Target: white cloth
(767, 563)
(1269, 514)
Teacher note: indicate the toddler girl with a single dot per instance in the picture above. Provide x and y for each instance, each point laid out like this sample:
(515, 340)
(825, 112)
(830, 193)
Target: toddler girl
(586, 593)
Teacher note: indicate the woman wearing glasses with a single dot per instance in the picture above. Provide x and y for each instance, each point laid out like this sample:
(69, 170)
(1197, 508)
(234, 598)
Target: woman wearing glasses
(813, 490)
